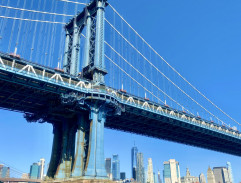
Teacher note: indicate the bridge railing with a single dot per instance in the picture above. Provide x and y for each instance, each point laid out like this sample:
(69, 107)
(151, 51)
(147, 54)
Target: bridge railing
(57, 77)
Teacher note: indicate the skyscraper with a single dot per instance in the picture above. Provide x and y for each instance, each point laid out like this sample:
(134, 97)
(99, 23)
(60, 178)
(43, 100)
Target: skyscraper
(122, 175)
(159, 177)
(230, 172)
(140, 170)
(41, 168)
(134, 151)
(221, 175)
(4, 172)
(150, 177)
(171, 172)
(154, 177)
(108, 166)
(202, 178)
(210, 176)
(116, 167)
(34, 171)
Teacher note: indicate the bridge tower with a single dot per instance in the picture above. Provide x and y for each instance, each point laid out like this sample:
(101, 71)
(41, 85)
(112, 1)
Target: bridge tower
(78, 145)
(93, 65)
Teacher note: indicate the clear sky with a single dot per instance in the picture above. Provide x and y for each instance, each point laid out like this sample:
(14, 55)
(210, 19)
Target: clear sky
(202, 40)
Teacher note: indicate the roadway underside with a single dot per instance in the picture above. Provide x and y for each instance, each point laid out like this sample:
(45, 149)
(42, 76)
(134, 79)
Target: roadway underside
(147, 124)
(44, 102)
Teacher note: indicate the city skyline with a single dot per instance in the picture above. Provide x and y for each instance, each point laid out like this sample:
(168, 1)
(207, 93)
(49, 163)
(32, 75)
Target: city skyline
(177, 151)
(219, 174)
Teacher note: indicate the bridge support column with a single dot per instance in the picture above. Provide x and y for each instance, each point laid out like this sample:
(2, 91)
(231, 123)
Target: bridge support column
(56, 150)
(67, 152)
(82, 140)
(95, 164)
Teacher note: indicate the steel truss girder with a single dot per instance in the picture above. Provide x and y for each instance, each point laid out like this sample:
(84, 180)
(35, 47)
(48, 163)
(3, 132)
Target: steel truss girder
(161, 129)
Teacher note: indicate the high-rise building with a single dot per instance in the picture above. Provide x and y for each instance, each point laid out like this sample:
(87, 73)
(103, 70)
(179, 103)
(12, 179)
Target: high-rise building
(34, 171)
(202, 178)
(108, 166)
(41, 168)
(159, 177)
(189, 179)
(122, 175)
(140, 170)
(150, 177)
(1, 167)
(116, 167)
(221, 175)
(230, 172)
(134, 151)
(210, 176)
(4, 171)
(171, 172)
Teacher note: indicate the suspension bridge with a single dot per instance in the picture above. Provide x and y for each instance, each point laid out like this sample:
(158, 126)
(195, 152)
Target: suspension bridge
(98, 72)
(9, 173)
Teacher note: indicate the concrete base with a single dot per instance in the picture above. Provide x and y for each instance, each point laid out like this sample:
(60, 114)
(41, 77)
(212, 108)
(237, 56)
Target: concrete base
(80, 181)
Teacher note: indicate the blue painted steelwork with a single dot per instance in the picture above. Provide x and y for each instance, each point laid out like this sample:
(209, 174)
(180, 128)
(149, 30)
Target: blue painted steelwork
(80, 107)
(78, 95)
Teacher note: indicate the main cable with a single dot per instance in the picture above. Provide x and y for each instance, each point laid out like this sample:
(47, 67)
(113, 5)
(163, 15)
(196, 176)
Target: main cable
(72, 2)
(34, 11)
(172, 67)
(25, 19)
(133, 78)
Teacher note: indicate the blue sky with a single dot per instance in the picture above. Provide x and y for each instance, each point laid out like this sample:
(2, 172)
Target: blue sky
(202, 40)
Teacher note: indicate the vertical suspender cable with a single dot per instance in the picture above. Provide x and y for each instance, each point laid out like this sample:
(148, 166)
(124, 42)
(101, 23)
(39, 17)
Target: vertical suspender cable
(34, 37)
(52, 42)
(19, 28)
(12, 31)
(61, 47)
(27, 33)
(3, 24)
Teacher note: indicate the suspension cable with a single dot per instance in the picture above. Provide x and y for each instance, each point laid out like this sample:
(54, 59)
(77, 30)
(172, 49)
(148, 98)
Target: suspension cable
(163, 73)
(157, 86)
(172, 67)
(25, 19)
(133, 79)
(72, 2)
(34, 11)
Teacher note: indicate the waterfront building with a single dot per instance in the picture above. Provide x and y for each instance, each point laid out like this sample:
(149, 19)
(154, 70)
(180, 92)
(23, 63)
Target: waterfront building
(221, 175)
(230, 172)
(116, 167)
(202, 178)
(140, 170)
(134, 152)
(210, 176)
(108, 167)
(122, 175)
(171, 172)
(189, 179)
(34, 171)
(150, 177)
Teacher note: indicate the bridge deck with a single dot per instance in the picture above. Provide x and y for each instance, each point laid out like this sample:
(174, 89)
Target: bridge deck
(31, 88)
